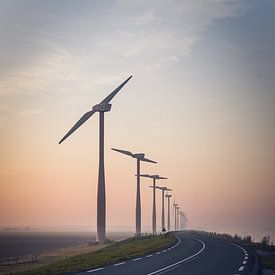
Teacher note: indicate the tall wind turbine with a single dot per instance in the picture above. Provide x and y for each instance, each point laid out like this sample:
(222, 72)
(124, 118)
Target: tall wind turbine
(168, 196)
(154, 177)
(102, 107)
(163, 189)
(140, 157)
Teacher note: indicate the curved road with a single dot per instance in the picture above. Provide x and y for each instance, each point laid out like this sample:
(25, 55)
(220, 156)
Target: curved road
(194, 254)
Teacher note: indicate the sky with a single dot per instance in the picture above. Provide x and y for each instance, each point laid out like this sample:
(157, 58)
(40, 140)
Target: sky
(201, 103)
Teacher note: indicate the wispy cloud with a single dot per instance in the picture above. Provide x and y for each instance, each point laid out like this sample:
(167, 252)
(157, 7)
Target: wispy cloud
(43, 46)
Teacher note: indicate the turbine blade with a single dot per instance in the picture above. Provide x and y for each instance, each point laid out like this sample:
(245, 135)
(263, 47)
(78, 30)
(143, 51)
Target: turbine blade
(85, 117)
(162, 178)
(108, 98)
(148, 160)
(169, 189)
(145, 175)
(123, 152)
(155, 187)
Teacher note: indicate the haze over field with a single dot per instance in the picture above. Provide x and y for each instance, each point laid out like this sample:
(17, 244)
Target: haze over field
(201, 102)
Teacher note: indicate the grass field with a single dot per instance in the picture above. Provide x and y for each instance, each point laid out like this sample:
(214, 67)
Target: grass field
(119, 251)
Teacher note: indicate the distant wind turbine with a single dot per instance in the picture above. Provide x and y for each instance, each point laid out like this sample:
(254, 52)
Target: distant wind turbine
(183, 218)
(140, 157)
(168, 196)
(163, 189)
(102, 107)
(154, 177)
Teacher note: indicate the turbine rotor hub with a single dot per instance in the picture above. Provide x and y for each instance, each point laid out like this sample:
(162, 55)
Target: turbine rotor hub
(103, 107)
(139, 156)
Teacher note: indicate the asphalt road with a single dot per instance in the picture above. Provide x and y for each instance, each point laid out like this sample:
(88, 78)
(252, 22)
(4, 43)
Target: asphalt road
(194, 254)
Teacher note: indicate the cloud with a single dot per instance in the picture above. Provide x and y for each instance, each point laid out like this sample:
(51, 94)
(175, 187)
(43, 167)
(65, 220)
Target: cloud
(47, 45)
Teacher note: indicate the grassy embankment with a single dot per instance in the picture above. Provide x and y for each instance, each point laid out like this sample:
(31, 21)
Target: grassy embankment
(111, 254)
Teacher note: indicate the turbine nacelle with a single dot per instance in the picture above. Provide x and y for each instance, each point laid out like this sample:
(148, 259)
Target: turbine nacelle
(164, 188)
(139, 156)
(102, 107)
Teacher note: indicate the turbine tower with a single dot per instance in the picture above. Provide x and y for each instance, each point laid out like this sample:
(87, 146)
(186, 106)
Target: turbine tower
(175, 212)
(140, 157)
(162, 212)
(102, 107)
(154, 177)
(168, 196)
(177, 217)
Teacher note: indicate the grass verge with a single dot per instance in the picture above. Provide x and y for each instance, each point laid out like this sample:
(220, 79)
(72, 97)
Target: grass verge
(114, 253)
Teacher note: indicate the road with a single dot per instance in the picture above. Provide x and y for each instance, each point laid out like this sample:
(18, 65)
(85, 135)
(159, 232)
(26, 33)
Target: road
(194, 254)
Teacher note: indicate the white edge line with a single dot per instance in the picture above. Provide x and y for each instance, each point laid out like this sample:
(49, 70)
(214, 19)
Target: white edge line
(184, 260)
(241, 268)
(137, 259)
(93, 270)
(119, 263)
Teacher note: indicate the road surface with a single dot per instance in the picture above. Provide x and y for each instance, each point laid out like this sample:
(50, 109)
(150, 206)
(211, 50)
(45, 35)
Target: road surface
(194, 254)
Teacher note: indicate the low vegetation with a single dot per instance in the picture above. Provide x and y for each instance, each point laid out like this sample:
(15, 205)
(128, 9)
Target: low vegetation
(116, 252)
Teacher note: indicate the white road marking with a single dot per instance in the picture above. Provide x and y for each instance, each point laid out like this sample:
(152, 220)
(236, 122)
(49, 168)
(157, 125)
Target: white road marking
(245, 257)
(93, 270)
(158, 253)
(241, 268)
(169, 248)
(184, 260)
(119, 263)
(164, 250)
(244, 262)
(137, 259)
(149, 256)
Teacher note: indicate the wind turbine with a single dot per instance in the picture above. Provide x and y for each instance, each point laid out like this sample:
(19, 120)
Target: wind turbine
(154, 177)
(162, 212)
(102, 107)
(140, 157)
(182, 219)
(168, 196)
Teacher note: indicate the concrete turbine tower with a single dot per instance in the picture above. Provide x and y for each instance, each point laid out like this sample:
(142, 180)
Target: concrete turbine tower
(168, 196)
(175, 213)
(140, 157)
(102, 107)
(163, 189)
(154, 177)
(177, 217)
